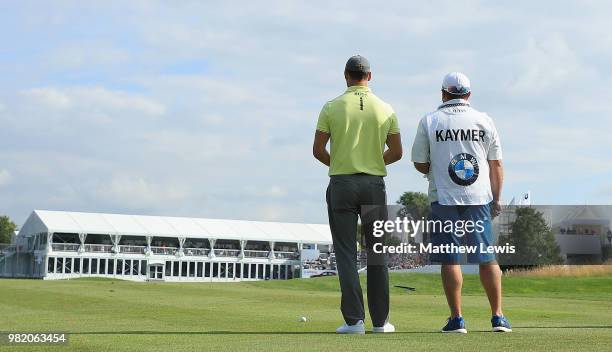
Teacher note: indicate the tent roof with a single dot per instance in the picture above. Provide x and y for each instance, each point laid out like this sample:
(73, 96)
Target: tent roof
(164, 226)
(584, 215)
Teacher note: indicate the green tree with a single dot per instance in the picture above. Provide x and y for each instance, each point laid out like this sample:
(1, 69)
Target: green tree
(7, 229)
(534, 241)
(415, 205)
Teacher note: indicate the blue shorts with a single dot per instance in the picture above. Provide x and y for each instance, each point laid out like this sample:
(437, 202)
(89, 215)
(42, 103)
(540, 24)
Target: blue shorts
(479, 235)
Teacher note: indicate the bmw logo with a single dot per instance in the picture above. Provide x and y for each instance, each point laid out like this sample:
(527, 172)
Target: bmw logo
(463, 169)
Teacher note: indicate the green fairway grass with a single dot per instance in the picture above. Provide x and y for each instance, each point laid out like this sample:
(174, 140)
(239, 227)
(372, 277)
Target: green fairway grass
(548, 314)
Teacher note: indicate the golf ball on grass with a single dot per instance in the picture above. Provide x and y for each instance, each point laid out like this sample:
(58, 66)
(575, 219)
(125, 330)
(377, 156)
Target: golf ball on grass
(303, 319)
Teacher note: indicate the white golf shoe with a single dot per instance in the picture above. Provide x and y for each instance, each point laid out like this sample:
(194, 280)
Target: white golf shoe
(388, 327)
(358, 328)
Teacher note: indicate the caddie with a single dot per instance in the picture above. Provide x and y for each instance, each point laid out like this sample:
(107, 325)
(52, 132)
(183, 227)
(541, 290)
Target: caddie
(459, 150)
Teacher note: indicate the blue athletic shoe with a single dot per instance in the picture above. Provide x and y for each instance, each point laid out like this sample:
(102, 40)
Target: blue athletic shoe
(500, 324)
(455, 325)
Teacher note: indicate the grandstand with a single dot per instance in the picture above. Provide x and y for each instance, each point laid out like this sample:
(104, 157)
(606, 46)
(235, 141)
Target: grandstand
(61, 245)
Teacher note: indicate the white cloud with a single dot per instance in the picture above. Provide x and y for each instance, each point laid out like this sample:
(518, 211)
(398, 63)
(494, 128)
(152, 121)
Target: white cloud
(138, 193)
(47, 98)
(91, 99)
(74, 56)
(270, 192)
(5, 177)
(76, 109)
(548, 64)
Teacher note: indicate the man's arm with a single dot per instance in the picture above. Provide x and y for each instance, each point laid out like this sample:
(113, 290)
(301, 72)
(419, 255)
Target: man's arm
(422, 167)
(496, 177)
(394, 151)
(318, 147)
(420, 149)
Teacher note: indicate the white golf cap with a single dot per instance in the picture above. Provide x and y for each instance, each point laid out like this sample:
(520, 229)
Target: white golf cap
(456, 83)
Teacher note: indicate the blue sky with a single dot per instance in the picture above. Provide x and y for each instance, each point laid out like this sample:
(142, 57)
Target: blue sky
(208, 109)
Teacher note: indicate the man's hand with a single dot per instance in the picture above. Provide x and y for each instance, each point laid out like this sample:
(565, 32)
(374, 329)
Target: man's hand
(318, 147)
(422, 167)
(496, 209)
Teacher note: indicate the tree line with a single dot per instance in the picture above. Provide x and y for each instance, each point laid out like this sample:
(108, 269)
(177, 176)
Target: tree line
(7, 229)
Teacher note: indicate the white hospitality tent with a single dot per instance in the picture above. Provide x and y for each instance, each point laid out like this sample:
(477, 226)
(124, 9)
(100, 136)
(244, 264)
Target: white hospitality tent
(62, 244)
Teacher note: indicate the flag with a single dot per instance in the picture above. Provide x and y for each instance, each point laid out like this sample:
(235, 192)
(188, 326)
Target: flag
(525, 199)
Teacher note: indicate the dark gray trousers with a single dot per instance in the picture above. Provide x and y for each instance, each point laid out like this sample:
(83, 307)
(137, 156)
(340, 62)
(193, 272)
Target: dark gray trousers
(346, 194)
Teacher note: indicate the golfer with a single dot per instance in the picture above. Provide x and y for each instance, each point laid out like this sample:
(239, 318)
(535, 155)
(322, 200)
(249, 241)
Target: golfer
(359, 124)
(458, 148)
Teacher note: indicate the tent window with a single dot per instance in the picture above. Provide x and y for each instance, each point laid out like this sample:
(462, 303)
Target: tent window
(192, 270)
(183, 269)
(102, 266)
(51, 265)
(77, 265)
(67, 265)
(175, 268)
(199, 269)
(119, 269)
(110, 268)
(238, 270)
(168, 268)
(94, 266)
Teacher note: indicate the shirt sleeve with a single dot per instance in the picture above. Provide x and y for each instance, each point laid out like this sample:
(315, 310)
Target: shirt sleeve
(394, 126)
(495, 149)
(323, 123)
(420, 147)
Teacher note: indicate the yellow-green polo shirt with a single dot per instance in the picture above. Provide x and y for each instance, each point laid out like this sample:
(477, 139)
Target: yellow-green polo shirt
(358, 122)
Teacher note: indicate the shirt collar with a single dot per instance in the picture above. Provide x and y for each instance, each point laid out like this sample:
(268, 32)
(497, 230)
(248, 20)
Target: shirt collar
(454, 102)
(358, 88)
